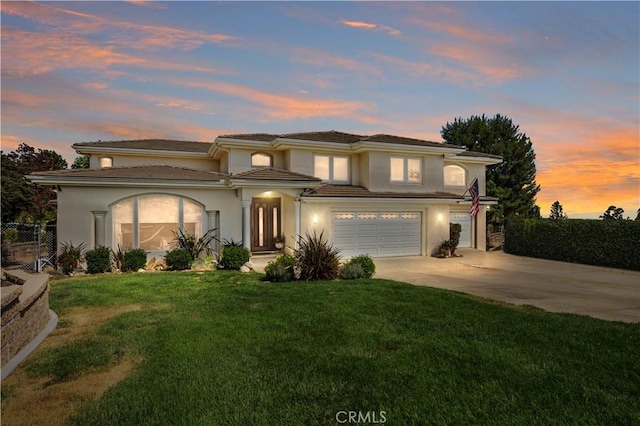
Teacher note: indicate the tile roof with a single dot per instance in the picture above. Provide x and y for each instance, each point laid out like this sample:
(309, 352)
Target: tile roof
(269, 173)
(266, 137)
(406, 141)
(349, 191)
(149, 144)
(160, 172)
(329, 136)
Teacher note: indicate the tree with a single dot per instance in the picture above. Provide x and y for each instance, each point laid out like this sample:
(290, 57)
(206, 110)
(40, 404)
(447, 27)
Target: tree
(613, 213)
(21, 198)
(637, 215)
(81, 162)
(556, 211)
(513, 180)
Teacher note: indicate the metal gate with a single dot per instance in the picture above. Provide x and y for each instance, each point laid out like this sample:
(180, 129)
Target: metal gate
(28, 246)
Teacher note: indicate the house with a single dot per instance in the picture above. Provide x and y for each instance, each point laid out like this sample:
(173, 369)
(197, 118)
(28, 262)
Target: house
(382, 195)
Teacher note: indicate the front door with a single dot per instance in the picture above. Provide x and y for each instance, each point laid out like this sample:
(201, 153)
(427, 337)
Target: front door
(265, 223)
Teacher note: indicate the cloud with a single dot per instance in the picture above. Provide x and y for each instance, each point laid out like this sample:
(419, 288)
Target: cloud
(283, 107)
(464, 31)
(321, 59)
(370, 26)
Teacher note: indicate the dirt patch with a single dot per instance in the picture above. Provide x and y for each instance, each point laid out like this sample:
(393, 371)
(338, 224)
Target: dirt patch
(33, 403)
(79, 322)
(30, 402)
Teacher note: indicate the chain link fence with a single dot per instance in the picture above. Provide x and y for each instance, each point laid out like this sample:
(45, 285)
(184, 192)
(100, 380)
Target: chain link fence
(28, 246)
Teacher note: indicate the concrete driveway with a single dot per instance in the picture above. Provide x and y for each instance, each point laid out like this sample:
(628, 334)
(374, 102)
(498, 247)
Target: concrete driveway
(606, 293)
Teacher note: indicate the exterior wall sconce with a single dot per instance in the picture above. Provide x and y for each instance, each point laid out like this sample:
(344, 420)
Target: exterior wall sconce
(440, 217)
(314, 219)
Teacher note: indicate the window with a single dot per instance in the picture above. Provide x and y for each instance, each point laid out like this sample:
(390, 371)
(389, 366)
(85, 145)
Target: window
(106, 162)
(260, 159)
(149, 222)
(331, 168)
(454, 176)
(406, 170)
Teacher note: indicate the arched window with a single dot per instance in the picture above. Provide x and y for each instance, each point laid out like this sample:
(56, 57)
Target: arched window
(260, 159)
(454, 176)
(106, 162)
(149, 221)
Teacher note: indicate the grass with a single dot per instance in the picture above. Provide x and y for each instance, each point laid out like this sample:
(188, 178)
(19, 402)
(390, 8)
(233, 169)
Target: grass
(226, 348)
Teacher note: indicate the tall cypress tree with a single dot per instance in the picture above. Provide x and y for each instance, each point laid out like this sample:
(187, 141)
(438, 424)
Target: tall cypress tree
(514, 180)
(557, 213)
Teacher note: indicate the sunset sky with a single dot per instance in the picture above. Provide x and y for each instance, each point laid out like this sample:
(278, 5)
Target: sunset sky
(566, 72)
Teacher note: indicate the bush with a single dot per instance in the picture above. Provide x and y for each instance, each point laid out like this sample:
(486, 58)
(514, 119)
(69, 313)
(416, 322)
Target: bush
(234, 256)
(178, 259)
(612, 243)
(365, 262)
(454, 236)
(352, 271)
(10, 235)
(317, 259)
(70, 257)
(133, 259)
(281, 269)
(98, 260)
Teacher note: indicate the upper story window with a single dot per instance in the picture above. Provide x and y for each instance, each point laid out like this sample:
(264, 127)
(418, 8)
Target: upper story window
(407, 170)
(454, 176)
(331, 168)
(106, 162)
(260, 159)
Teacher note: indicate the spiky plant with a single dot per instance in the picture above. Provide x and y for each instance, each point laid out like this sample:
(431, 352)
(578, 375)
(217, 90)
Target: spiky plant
(195, 246)
(316, 258)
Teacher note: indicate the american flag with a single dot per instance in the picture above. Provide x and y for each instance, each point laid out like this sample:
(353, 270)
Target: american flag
(475, 198)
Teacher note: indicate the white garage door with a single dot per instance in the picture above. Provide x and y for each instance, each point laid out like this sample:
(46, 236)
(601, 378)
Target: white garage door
(377, 233)
(464, 219)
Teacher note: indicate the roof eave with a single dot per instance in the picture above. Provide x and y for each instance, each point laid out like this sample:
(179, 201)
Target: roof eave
(477, 160)
(363, 146)
(275, 183)
(128, 182)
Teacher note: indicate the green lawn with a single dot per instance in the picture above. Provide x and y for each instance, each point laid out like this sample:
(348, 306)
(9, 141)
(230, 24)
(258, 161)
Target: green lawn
(226, 348)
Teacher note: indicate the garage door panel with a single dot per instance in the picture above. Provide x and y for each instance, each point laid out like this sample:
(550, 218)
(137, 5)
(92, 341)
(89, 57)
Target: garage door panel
(464, 219)
(377, 233)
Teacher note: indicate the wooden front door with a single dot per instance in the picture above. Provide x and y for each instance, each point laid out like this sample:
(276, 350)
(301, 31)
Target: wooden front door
(265, 223)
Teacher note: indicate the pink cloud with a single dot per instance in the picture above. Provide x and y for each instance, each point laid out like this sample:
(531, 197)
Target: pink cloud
(370, 26)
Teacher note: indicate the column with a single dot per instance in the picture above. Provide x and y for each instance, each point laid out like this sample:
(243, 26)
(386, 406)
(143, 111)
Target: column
(246, 224)
(296, 206)
(213, 223)
(99, 227)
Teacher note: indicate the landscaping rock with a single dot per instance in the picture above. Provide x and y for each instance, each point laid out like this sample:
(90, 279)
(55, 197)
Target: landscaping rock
(247, 267)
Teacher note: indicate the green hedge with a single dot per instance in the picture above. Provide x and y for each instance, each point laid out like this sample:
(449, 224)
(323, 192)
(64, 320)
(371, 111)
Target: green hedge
(614, 243)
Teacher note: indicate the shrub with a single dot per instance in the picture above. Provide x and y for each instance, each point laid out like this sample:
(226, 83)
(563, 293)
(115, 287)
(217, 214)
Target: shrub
(316, 258)
(234, 256)
(10, 235)
(366, 263)
(69, 257)
(98, 260)
(281, 269)
(133, 259)
(195, 246)
(611, 243)
(454, 236)
(117, 257)
(352, 271)
(178, 259)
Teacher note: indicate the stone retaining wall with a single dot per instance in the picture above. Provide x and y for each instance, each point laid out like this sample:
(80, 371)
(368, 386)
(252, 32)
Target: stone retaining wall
(25, 311)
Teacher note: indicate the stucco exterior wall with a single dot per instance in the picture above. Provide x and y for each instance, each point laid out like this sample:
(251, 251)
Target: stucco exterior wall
(239, 159)
(76, 221)
(435, 217)
(208, 164)
(301, 161)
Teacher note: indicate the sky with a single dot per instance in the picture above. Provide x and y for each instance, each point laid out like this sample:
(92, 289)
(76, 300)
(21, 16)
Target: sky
(567, 73)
